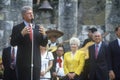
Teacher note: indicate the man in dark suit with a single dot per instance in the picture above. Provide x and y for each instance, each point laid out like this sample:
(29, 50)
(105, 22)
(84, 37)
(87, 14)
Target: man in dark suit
(84, 75)
(8, 64)
(99, 59)
(28, 65)
(114, 50)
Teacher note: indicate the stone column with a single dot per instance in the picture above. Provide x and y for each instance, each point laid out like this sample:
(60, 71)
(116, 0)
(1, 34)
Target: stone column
(108, 26)
(6, 23)
(110, 20)
(68, 10)
(27, 2)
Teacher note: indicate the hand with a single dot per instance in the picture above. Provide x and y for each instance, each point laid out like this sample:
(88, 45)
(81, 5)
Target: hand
(73, 75)
(26, 30)
(42, 30)
(42, 73)
(111, 75)
(12, 66)
(54, 74)
(69, 75)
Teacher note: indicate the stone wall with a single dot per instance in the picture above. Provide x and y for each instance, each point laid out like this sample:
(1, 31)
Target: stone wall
(73, 17)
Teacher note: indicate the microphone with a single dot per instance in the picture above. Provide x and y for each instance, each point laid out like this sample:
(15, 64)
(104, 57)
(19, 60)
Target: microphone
(33, 24)
(32, 20)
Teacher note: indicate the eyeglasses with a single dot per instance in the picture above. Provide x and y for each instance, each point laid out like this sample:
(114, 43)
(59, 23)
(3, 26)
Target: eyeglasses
(59, 50)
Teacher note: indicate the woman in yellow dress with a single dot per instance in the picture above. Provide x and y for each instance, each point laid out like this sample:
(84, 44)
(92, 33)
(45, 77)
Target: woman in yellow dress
(74, 60)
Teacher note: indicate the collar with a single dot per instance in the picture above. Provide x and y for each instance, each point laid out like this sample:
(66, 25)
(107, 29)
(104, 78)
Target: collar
(26, 23)
(99, 44)
(15, 47)
(118, 39)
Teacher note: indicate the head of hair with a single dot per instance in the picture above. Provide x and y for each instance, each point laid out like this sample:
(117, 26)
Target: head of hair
(75, 40)
(25, 8)
(92, 30)
(116, 29)
(60, 45)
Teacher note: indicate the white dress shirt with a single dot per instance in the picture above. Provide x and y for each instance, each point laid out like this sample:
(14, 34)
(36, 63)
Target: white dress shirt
(118, 41)
(15, 51)
(60, 70)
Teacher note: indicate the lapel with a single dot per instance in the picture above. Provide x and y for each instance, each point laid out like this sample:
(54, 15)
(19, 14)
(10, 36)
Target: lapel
(100, 50)
(101, 53)
(9, 53)
(117, 44)
(9, 50)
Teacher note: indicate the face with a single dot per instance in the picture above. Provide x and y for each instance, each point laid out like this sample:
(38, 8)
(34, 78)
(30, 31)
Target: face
(118, 32)
(90, 34)
(73, 46)
(28, 16)
(60, 51)
(53, 39)
(97, 37)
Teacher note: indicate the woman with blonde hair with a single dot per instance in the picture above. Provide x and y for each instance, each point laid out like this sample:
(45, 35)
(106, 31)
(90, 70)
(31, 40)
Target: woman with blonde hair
(74, 60)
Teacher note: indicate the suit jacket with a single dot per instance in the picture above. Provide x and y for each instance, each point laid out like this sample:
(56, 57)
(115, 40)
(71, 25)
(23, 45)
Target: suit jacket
(23, 62)
(114, 50)
(74, 64)
(9, 74)
(99, 66)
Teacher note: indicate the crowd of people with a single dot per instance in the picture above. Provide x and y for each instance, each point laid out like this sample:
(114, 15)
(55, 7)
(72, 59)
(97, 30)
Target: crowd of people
(29, 56)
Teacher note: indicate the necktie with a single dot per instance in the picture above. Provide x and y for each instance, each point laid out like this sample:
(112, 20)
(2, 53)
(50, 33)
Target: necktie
(30, 32)
(96, 50)
(13, 54)
(13, 59)
(59, 60)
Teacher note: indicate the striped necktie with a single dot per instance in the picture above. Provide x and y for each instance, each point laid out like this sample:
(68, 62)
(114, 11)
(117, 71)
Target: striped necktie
(96, 50)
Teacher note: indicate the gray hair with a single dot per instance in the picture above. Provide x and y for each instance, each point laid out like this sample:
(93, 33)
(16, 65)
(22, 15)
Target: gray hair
(74, 40)
(24, 9)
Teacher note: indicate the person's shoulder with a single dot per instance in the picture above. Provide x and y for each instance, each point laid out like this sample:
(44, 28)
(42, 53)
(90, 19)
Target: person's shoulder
(67, 53)
(91, 46)
(87, 40)
(81, 52)
(6, 48)
(112, 42)
(19, 24)
(22, 23)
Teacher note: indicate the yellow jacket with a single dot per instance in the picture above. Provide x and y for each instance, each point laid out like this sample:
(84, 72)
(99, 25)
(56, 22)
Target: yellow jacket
(74, 64)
